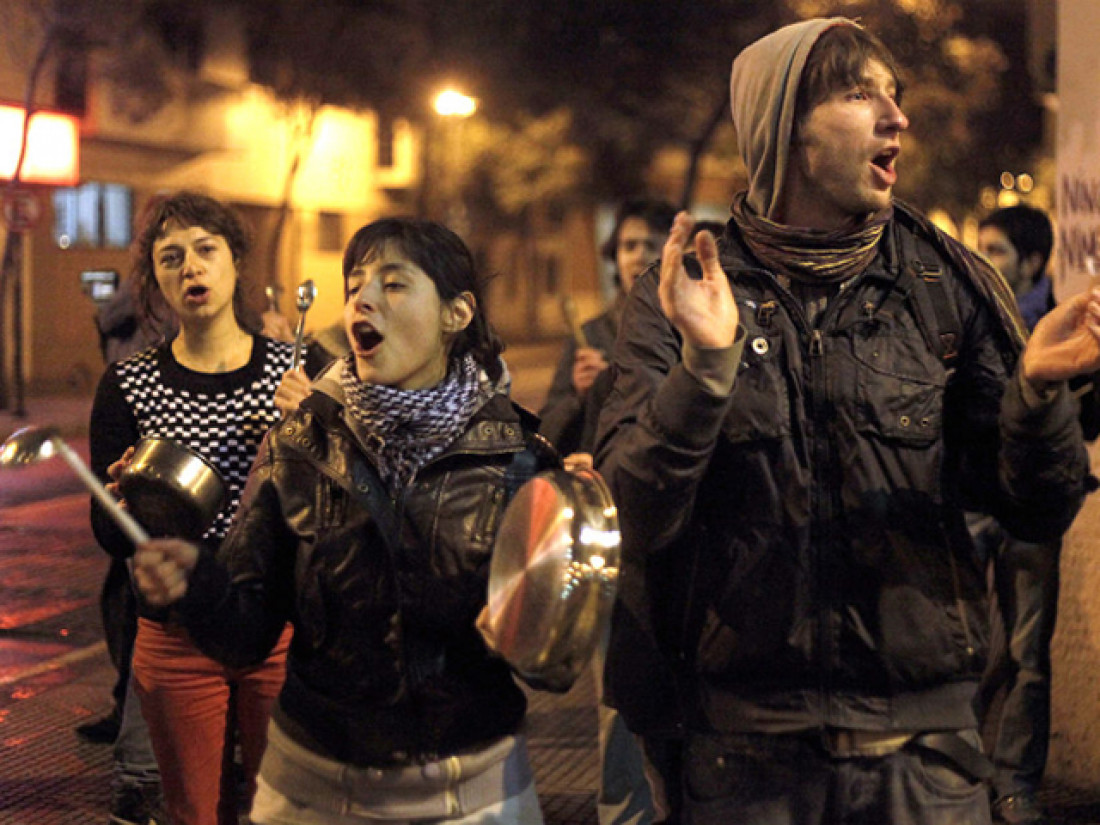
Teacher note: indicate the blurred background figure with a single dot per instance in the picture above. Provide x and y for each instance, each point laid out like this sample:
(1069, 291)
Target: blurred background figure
(641, 226)
(1018, 241)
(331, 340)
(640, 230)
(601, 387)
(1024, 576)
(124, 329)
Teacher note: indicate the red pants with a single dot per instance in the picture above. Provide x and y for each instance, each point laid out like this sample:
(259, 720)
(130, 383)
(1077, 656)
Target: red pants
(185, 701)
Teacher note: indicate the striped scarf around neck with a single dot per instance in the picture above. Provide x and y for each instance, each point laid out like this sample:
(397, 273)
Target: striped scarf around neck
(810, 256)
(411, 427)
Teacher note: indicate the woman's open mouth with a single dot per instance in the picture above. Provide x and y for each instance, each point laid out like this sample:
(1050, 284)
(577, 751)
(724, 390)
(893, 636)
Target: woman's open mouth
(366, 337)
(196, 294)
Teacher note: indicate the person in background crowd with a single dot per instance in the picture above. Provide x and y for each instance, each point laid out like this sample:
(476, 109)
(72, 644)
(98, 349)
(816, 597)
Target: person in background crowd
(122, 332)
(1018, 241)
(601, 387)
(641, 226)
(211, 388)
(793, 435)
(368, 523)
(579, 384)
(274, 325)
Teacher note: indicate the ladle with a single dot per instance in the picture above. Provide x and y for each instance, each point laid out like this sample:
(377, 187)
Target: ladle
(33, 444)
(307, 291)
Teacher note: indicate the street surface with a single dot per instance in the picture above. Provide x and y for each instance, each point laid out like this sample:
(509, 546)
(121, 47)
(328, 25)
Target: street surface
(54, 671)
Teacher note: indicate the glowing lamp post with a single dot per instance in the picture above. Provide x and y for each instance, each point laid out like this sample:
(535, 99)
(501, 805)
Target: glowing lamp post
(453, 107)
(451, 103)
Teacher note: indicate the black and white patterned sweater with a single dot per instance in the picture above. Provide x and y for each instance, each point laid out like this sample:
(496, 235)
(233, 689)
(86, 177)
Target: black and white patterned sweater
(223, 416)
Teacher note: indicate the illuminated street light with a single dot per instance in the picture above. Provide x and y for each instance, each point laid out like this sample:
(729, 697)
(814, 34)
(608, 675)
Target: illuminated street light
(444, 154)
(53, 147)
(452, 103)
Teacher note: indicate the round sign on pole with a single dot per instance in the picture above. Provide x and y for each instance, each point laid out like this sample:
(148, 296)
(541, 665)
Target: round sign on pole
(20, 209)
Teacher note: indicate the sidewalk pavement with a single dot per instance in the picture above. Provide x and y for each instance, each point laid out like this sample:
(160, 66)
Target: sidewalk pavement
(69, 413)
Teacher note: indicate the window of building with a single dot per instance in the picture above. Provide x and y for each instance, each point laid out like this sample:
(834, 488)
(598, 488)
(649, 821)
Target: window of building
(330, 232)
(97, 215)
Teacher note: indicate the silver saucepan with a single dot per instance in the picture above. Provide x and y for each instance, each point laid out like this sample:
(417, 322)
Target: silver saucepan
(171, 489)
(553, 575)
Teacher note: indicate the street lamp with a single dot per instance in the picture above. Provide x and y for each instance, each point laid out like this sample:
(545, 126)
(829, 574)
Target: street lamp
(453, 107)
(452, 103)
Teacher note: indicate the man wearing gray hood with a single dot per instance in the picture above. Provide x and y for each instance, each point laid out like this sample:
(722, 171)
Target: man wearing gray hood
(801, 413)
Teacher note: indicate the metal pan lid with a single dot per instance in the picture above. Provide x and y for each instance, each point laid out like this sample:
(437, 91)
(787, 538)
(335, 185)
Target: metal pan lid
(553, 575)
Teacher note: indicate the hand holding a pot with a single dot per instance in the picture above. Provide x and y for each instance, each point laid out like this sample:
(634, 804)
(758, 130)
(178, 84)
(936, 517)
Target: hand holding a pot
(115, 472)
(162, 568)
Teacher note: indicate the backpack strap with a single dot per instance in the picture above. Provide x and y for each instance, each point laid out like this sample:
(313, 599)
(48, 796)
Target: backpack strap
(920, 278)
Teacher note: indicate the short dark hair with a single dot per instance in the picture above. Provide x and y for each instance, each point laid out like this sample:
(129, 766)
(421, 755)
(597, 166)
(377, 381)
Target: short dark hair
(657, 214)
(445, 259)
(1028, 230)
(187, 209)
(837, 61)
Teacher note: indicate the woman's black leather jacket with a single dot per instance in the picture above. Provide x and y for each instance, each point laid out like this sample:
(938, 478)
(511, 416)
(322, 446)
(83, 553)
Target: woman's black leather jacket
(385, 665)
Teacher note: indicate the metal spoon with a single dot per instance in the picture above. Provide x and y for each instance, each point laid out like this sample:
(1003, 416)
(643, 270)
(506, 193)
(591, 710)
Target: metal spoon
(307, 291)
(33, 444)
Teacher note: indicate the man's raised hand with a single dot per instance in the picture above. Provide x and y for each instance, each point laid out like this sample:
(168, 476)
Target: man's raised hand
(1066, 341)
(702, 309)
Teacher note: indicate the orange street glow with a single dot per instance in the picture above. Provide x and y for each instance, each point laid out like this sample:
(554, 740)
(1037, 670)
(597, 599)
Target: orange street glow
(53, 147)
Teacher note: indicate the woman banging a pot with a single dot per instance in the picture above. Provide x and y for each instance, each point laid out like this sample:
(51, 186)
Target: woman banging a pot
(368, 523)
(211, 388)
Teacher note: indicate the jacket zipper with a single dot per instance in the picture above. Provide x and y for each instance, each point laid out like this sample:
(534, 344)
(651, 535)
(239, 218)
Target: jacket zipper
(823, 502)
(820, 506)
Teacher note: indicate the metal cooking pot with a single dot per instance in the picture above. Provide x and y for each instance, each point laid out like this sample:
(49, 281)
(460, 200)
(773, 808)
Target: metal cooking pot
(171, 489)
(553, 575)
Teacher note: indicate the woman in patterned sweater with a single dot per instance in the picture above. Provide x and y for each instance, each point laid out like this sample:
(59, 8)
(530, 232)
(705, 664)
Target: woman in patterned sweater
(212, 388)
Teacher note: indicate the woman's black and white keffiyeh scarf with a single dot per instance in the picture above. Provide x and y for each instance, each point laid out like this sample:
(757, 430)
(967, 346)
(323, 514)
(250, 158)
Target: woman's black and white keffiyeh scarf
(411, 427)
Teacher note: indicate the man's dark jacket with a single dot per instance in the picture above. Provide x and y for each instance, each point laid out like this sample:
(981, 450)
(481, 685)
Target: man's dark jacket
(795, 554)
(562, 417)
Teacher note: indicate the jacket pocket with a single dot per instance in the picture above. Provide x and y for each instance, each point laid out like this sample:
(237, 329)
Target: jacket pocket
(761, 401)
(899, 387)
